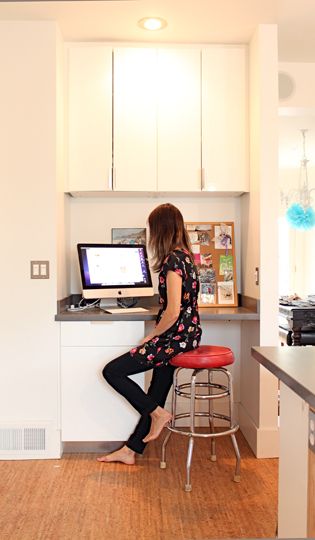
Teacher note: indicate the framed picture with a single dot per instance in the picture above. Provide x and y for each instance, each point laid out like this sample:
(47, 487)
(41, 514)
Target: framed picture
(213, 246)
(129, 236)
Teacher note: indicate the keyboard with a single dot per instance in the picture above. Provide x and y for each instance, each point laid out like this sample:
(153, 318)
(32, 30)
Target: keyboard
(125, 310)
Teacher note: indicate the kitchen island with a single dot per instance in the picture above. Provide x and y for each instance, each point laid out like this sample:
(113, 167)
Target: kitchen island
(295, 369)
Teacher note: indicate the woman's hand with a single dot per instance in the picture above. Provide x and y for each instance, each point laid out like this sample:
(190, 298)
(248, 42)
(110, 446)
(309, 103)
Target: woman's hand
(146, 339)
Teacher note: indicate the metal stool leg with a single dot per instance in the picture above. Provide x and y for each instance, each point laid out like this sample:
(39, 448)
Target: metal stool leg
(188, 463)
(192, 430)
(237, 474)
(168, 435)
(213, 456)
(163, 457)
(174, 396)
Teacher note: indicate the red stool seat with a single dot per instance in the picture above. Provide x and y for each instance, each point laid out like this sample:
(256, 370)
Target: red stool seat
(204, 357)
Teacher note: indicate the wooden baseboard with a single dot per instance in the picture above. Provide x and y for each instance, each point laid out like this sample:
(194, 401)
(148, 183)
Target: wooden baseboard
(91, 447)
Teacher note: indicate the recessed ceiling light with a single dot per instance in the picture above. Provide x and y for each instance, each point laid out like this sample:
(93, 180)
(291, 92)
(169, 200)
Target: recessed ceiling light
(152, 23)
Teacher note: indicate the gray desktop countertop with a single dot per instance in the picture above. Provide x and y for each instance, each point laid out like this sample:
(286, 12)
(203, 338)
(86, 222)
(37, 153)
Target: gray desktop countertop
(248, 312)
(294, 366)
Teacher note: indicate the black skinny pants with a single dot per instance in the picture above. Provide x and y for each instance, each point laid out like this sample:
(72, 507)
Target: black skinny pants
(117, 372)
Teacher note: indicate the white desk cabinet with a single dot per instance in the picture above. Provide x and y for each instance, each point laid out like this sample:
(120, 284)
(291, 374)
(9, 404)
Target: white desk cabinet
(90, 409)
(89, 118)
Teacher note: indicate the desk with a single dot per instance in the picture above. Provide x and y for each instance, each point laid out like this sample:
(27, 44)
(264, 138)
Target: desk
(235, 327)
(297, 325)
(295, 368)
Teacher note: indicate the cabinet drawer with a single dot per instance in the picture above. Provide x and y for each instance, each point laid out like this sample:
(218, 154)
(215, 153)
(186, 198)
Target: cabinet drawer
(101, 333)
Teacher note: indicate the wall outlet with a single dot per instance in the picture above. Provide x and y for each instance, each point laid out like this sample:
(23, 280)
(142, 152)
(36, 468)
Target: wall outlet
(39, 269)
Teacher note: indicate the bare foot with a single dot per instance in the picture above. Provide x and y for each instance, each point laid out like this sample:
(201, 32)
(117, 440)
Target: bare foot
(123, 455)
(160, 417)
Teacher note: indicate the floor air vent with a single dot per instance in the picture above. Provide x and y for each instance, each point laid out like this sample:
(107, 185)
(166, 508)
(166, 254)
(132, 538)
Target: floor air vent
(23, 439)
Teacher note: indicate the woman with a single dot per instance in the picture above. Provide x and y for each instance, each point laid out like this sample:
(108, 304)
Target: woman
(177, 330)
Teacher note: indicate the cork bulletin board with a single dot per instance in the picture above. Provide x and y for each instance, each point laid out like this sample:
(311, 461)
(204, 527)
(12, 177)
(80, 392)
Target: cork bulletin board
(213, 246)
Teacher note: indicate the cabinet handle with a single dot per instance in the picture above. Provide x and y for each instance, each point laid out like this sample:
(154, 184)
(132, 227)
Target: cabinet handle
(203, 179)
(110, 179)
(114, 178)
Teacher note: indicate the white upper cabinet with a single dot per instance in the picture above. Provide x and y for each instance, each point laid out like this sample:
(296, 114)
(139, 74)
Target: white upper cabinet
(224, 119)
(135, 119)
(89, 118)
(157, 119)
(179, 120)
(157, 122)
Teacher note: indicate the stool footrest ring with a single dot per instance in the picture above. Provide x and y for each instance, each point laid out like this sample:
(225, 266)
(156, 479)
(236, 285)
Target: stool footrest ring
(204, 435)
(204, 415)
(201, 396)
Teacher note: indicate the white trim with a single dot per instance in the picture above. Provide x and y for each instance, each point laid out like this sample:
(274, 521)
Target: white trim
(264, 442)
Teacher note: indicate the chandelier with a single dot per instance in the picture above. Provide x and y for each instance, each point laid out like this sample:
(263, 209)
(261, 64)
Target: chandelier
(298, 202)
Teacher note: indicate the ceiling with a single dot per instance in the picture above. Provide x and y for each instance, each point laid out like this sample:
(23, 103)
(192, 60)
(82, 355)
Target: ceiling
(189, 21)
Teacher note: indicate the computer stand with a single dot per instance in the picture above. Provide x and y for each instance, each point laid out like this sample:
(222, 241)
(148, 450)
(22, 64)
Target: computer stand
(106, 303)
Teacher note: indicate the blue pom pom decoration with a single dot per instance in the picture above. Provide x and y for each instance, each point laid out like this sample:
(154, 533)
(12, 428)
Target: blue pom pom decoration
(299, 217)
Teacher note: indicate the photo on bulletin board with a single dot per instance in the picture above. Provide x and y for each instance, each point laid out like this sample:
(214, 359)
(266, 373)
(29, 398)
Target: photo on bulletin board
(213, 246)
(129, 236)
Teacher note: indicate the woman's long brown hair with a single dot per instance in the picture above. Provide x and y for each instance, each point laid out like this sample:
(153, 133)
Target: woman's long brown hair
(167, 232)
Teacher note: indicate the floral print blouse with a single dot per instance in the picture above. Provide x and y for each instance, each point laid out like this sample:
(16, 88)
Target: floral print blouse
(185, 334)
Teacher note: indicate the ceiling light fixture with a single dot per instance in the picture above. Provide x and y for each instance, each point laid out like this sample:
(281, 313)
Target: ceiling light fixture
(152, 23)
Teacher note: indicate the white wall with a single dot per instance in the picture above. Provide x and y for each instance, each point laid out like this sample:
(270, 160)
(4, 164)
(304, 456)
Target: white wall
(63, 271)
(91, 220)
(258, 409)
(296, 85)
(301, 254)
(34, 215)
(29, 341)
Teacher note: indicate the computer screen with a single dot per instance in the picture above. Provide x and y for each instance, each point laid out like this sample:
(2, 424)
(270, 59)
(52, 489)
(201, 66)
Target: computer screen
(114, 271)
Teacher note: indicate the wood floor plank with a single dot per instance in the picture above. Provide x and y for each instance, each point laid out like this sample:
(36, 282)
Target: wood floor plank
(79, 498)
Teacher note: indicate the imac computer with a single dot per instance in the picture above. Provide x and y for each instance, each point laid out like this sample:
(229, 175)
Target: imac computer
(113, 271)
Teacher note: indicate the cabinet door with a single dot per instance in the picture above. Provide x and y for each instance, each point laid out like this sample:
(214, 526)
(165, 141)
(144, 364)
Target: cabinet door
(179, 120)
(90, 118)
(135, 111)
(224, 119)
(90, 409)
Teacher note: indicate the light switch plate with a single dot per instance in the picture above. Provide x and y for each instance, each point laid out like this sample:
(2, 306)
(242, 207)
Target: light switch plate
(39, 269)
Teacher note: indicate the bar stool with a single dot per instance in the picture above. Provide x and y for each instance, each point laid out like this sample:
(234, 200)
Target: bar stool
(212, 359)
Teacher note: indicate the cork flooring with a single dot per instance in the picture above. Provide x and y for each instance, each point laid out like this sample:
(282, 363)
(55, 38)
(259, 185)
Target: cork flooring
(78, 498)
